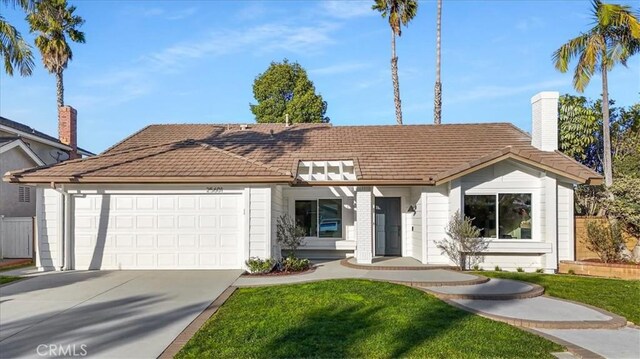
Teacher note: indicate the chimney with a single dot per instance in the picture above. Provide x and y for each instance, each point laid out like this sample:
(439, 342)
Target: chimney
(68, 129)
(544, 120)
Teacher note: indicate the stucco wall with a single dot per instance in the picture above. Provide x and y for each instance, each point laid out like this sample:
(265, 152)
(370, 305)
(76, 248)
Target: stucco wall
(48, 154)
(10, 160)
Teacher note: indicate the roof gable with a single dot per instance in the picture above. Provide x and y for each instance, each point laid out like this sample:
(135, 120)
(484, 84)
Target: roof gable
(7, 144)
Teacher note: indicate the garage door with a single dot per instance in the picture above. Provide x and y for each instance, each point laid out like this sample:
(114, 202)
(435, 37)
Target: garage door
(159, 231)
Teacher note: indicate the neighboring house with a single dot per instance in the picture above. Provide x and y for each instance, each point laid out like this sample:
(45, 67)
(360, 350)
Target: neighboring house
(24, 147)
(198, 196)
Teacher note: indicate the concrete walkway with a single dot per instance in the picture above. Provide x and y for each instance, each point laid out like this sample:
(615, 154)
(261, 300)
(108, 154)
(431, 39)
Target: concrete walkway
(587, 331)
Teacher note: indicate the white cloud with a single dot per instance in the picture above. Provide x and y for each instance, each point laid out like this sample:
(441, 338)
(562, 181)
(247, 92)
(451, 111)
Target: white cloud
(348, 67)
(347, 9)
(495, 92)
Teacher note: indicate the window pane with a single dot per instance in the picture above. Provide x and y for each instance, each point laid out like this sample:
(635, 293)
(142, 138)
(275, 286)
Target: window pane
(307, 217)
(330, 218)
(482, 210)
(515, 215)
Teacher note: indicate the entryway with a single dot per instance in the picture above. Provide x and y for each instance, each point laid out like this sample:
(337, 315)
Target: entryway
(388, 223)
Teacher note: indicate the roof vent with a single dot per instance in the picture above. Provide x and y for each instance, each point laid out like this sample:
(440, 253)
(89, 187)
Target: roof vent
(244, 127)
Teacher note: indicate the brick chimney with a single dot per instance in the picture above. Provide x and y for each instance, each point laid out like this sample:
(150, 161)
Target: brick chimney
(544, 120)
(68, 129)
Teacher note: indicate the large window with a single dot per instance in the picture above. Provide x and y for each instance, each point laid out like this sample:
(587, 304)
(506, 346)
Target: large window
(320, 218)
(504, 215)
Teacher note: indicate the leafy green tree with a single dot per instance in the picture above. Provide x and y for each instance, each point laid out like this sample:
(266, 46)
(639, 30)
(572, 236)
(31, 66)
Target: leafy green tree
(16, 53)
(285, 89)
(399, 13)
(614, 38)
(578, 129)
(53, 21)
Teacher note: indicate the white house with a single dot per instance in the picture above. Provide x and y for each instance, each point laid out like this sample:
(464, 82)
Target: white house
(203, 196)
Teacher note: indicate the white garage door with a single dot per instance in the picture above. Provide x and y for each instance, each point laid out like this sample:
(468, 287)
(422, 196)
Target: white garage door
(158, 231)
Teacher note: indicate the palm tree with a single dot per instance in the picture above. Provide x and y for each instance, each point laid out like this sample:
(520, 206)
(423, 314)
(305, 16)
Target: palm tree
(399, 12)
(614, 38)
(437, 100)
(53, 21)
(14, 50)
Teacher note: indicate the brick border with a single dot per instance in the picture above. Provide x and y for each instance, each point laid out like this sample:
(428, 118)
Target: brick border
(615, 322)
(345, 262)
(11, 263)
(535, 291)
(181, 340)
(477, 280)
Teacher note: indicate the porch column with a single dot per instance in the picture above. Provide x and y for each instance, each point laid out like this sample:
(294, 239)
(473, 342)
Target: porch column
(364, 225)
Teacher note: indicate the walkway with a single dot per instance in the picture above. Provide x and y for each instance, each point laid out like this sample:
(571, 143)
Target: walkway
(586, 331)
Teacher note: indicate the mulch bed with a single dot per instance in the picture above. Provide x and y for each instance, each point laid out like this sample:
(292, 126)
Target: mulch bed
(277, 274)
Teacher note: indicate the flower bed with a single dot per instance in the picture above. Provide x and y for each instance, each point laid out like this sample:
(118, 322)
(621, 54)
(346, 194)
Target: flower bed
(599, 269)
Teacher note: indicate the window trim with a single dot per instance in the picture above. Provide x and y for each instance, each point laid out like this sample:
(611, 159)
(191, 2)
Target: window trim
(534, 213)
(318, 199)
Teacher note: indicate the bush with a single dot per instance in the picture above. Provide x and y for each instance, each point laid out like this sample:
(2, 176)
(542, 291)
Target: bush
(477, 267)
(519, 269)
(604, 239)
(293, 264)
(257, 265)
(624, 206)
(497, 269)
(464, 246)
(288, 234)
(540, 270)
(571, 272)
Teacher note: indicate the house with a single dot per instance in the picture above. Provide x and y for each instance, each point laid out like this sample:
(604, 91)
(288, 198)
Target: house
(24, 147)
(202, 196)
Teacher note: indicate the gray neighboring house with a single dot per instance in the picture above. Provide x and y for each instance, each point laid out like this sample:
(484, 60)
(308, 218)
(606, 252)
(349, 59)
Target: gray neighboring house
(22, 146)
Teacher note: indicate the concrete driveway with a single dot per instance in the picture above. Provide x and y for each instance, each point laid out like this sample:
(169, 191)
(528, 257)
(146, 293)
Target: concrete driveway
(114, 314)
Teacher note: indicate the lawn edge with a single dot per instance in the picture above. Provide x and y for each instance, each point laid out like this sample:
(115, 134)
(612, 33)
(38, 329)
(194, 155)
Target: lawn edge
(187, 333)
(20, 279)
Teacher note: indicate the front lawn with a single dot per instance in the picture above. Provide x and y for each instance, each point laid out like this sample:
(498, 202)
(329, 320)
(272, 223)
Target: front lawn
(4, 279)
(355, 319)
(615, 295)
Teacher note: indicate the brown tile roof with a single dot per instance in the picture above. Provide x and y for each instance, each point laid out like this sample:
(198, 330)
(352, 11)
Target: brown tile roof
(420, 154)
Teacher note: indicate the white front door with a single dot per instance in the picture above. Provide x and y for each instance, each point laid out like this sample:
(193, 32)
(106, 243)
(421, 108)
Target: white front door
(158, 231)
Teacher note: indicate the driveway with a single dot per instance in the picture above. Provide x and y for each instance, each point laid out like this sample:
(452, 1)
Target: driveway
(104, 313)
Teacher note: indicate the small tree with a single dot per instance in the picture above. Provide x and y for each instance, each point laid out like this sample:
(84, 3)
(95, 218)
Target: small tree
(289, 234)
(605, 239)
(464, 246)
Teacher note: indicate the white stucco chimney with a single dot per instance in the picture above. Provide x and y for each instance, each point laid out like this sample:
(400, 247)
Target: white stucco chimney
(544, 120)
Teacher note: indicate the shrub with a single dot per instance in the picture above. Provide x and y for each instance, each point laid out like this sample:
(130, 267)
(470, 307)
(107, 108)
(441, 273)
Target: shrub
(624, 205)
(477, 267)
(604, 239)
(540, 270)
(289, 235)
(497, 269)
(519, 269)
(464, 245)
(571, 272)
(258, 265)
(293, 264)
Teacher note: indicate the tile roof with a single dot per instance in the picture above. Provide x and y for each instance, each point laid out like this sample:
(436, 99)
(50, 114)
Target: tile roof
(420, 154)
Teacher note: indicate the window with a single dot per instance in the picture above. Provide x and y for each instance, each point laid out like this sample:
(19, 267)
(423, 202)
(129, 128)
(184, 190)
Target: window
(24, 194)
(504, 216)
(320, 218)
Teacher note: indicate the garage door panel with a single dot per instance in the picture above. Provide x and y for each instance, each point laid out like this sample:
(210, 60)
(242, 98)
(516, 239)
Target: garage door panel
(159, 231)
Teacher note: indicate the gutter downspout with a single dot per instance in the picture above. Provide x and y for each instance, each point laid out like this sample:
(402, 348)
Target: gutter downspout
(64, 230)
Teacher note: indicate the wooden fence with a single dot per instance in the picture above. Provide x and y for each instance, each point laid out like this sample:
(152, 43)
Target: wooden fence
(581, 234)
(16, 237)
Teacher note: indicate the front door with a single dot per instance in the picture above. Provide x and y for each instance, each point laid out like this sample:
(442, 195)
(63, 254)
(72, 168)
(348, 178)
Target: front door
(388, 227)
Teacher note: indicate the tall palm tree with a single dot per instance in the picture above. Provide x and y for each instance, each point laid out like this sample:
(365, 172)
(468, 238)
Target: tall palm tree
(437, 100)
(13, 49)
(399, 12)
(54, 21)
(614, 38)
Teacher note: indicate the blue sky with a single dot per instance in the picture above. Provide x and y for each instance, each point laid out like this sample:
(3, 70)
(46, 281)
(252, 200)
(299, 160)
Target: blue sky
(195, 61)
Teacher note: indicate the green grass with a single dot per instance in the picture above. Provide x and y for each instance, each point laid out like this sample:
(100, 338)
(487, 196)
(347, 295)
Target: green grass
(615, 295)
(355, 319)
(4, 279)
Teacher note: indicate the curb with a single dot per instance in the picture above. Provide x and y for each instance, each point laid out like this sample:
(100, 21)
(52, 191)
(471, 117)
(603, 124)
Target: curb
(477, 280)
(615, 322)
(181, 340)
(345, 262)
(536, 291)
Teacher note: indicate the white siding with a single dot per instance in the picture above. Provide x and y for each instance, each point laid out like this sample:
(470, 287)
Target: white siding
(277, 210)
(416, 223)
(364, 252)
(566, 240)
(48, 227)
(511, 262)
(437, 217)
(260, 222)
